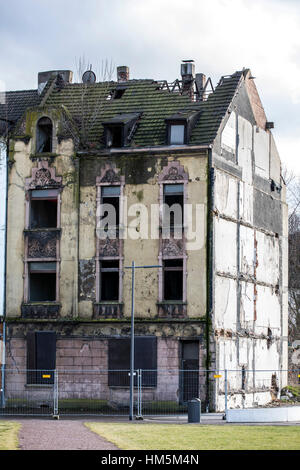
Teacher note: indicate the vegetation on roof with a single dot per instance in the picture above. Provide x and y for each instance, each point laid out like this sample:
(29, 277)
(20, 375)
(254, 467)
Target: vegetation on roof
(89, 105)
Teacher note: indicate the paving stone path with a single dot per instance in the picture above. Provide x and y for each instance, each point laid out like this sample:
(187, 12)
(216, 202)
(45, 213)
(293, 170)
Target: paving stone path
(42, 434)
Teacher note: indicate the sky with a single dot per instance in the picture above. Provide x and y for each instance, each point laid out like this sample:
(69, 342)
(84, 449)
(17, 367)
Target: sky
(152, 37)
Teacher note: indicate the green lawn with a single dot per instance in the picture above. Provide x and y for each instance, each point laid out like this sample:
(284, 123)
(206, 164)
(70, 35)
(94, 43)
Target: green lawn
(9, 435)
(143, 436)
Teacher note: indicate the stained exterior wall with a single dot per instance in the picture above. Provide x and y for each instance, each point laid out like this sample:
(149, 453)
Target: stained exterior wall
(2, 222)
(81, 337)
(250, 259)
(248, 287)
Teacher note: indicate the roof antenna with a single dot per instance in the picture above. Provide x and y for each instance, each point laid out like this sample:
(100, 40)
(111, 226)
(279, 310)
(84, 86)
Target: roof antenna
(89, 76)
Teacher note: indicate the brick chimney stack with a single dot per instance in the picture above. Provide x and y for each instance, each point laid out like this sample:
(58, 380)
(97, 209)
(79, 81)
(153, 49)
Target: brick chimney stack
(122, 73)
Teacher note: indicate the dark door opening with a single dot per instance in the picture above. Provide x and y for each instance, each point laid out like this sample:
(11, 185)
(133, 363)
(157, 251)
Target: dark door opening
(189, 375)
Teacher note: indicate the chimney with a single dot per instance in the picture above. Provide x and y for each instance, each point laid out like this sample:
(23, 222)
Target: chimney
(188, 77)
(122, 73)
(200, 85)
(43, 77)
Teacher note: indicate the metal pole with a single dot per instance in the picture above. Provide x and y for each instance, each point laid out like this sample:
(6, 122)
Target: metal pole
(3, 367)
(226, 384)
(133, 267)
(132, 343)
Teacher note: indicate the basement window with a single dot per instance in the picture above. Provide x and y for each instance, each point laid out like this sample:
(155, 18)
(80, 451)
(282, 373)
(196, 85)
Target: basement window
(43, 209)
(42, 282)
(173, 279)
(44, 135)
(109, 279)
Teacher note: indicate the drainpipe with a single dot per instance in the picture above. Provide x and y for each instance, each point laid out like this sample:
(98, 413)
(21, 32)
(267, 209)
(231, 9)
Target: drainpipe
(4, 284)
(210, 268)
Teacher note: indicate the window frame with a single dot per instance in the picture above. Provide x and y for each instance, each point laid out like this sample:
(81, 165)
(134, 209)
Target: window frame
(35, 374)
(118, 375)
(172, 173)
(172, 269)
(109, 177)
(53, 184)
(171, 123)
(38, 130)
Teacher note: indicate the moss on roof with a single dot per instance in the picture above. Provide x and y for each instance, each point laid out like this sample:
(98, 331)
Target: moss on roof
(91, 105)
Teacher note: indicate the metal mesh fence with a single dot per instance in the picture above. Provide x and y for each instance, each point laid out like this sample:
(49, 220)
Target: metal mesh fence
(28, 392)
(156, 392)
(94, 392)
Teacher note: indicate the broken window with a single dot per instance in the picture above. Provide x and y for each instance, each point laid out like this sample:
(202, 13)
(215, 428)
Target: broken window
(145, 357)
(173, 279)
(118, 93)
(114, 136)
(173, 207)
(43, 208)
(42, 281)
(109, 290)
(44, 135)
(110, 198)
(41, 355)
(177, 134)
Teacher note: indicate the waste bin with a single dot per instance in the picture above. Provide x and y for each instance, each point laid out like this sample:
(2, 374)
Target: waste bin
(194, 410)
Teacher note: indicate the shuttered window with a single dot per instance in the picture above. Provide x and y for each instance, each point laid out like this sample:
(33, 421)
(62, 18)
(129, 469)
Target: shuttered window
(145, 357)
(41, 357)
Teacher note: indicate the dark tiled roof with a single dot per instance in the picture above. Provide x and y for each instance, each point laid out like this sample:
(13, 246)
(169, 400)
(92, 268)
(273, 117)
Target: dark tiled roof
(14, 106)
(93, 104)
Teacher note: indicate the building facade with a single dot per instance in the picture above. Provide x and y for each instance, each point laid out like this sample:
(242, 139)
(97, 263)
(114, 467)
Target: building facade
(175, 176)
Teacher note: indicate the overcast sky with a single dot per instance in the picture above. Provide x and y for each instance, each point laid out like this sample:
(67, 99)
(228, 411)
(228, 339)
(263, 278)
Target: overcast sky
(153, 36)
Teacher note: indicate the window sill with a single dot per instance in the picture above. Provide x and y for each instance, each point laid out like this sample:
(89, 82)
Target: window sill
(34, 156)
(38, 386)
(42, 229)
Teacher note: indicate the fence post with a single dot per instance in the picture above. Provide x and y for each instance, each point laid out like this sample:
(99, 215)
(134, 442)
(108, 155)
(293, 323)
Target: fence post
(226, 393)
(139, 392)
(55, 395)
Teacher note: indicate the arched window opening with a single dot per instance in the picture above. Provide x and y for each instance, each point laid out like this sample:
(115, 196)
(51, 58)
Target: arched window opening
(44, 135)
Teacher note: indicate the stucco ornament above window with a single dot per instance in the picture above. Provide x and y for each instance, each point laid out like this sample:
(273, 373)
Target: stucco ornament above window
(174, 171)
(43, 176)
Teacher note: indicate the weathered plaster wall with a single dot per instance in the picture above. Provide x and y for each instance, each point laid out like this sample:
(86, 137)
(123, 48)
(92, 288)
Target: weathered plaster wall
(2, 222)
(250, 258)
(142, 189)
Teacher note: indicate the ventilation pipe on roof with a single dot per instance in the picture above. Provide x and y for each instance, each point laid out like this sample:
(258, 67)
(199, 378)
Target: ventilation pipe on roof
(122, 73)
(188, 77)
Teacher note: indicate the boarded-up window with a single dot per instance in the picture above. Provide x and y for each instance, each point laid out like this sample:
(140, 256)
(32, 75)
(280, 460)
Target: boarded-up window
(145, 357)
(41, 357)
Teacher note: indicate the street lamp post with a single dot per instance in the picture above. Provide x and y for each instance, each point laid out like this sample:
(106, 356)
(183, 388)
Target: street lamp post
(133, 267)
